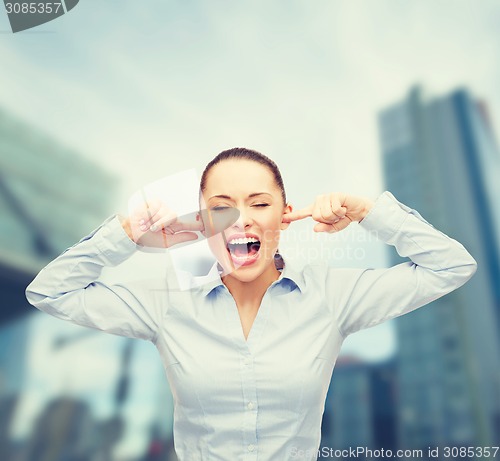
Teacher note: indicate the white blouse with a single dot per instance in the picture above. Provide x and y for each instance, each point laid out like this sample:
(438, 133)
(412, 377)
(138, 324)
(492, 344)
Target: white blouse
(261, 398)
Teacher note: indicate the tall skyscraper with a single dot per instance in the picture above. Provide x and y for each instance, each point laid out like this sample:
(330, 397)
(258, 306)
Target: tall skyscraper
(440, 157)
(349, 406)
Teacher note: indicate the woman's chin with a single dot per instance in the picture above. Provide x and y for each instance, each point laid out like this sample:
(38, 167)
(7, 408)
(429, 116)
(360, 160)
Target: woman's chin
(250, 272)
(243, 272)
(244, 278)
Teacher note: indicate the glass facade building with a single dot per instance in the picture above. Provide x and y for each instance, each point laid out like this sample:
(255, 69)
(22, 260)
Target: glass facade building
(360, 406)
(440, 157)
(50, 197)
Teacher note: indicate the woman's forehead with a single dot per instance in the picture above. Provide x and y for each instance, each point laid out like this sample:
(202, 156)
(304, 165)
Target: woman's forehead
(240, 175)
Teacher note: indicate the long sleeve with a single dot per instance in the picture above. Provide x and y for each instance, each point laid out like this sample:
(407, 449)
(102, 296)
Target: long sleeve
(68, 287)
(438, 265)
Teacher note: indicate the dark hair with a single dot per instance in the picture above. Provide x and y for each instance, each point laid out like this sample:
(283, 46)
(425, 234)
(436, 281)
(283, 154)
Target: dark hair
(246, 154)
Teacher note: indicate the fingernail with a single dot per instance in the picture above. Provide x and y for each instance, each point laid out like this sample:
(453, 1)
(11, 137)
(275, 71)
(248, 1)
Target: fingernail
(153, 227)
(141, 221)
(143, 228)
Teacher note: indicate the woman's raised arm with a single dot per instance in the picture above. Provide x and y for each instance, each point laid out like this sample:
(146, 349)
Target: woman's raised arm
(68, 287)
(361, 298)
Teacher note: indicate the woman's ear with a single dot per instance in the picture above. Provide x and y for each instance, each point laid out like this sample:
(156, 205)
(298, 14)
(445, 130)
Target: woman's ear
(288, 209)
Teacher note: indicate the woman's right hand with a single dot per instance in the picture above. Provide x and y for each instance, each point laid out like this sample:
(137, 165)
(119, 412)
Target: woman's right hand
(153, 224)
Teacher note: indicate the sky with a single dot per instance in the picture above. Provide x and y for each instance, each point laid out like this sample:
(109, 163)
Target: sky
(148, 89)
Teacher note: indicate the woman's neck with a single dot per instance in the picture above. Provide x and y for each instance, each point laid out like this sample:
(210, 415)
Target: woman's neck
(251, 293)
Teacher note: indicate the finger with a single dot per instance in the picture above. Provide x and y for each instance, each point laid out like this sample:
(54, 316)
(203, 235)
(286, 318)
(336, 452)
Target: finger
(181, 237)
(140, 214)
(323, 227)
(316, 211)
(172, 234)
(342, 224)
(162, 221)
(150, 208)
(325, 210)
(151, 212)
(330, 210)
(179, 226)
(162, 216)
(296, 215)
(336, 206)
(211, 223)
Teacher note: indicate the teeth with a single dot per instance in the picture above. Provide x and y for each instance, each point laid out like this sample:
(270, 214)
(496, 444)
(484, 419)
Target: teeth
(243, 240)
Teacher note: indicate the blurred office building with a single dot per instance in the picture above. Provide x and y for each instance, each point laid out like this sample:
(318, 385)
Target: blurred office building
(50, 197)
(64, 430)
(160, 445)
(440, 158)
(13, 342)
(350, 412)
(8, 405)
(361, 405)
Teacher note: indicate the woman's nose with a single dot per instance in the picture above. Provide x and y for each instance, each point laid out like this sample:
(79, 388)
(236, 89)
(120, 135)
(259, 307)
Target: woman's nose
(243, 220)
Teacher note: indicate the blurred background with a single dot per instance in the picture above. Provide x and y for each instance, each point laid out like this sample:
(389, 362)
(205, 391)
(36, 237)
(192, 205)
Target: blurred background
(344, 95)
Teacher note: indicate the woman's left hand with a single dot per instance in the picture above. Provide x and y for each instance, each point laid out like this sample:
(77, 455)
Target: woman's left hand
(333, 212)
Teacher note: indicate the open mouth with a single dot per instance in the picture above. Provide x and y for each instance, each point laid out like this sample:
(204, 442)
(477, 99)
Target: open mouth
(243, 248)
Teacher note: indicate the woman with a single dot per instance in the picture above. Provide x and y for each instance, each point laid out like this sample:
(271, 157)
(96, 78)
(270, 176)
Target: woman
(250, 353)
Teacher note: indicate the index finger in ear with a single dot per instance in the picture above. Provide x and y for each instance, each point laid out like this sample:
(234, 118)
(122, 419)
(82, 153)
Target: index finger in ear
(299, 214)
(188, 226)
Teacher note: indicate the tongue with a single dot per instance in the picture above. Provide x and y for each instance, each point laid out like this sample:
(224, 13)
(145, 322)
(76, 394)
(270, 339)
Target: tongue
(240, 251)
(243, 250)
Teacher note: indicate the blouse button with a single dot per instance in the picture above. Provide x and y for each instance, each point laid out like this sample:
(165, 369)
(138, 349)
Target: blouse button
(250, 405)
(251, 447)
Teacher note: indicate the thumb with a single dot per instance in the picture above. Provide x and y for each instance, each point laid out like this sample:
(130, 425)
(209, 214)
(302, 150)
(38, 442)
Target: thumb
(335, 227)
(323, 227)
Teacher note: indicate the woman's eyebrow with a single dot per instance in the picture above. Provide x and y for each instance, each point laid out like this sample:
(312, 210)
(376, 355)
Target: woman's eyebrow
(258, 193)
(220, 196)
(254, 194)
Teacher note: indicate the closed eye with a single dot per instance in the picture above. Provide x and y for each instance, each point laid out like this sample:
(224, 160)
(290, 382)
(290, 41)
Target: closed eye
(219, 208)
(262, 204)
